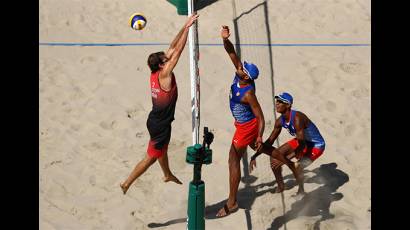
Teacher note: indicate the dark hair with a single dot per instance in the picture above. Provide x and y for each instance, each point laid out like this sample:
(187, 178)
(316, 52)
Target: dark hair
(154, 60)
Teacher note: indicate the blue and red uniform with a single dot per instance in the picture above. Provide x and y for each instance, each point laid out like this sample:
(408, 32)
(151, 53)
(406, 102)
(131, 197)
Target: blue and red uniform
(161, 116)
(315, 144)
(245, 121)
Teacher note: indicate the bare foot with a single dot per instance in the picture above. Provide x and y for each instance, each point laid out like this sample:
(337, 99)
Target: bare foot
(172, 178)
(124, 188)
(227, 210)
(301, 192)
(298, 196)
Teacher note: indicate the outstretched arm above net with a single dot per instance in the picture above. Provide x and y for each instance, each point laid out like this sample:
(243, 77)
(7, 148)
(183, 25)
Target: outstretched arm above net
(229, 47)
(179, 47)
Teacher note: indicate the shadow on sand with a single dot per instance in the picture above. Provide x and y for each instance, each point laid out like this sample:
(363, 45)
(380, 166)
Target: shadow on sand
(175, 221)
(316, 202)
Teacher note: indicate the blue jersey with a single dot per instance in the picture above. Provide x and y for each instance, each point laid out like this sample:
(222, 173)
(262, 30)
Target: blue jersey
(240, 111)
(311, 133)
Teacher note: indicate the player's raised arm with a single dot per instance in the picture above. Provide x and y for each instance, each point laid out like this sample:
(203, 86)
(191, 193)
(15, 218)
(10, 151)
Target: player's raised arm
(170, 64)
(229, 47)
(171, 48)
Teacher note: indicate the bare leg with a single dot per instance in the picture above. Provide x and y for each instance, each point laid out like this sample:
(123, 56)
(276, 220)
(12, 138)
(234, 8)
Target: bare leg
(234, 179)
(234, 174)
(276, 165)
(139, 169)
(281, 156)
(301, 189)
(168, 176)
(284, 153)
(277, 171)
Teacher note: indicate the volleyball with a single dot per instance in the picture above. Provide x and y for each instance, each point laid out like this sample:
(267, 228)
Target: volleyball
(137, 21)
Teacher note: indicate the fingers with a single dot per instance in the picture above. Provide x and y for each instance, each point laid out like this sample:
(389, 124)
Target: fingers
(250, 169)
(252, 165)
(191, 19)
(194, 17)
(225, 32)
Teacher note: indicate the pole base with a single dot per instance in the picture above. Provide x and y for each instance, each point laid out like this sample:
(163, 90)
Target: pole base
(196, 206)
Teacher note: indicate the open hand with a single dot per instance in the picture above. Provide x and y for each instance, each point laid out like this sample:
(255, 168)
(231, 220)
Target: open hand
(252, 165)
(259, 144)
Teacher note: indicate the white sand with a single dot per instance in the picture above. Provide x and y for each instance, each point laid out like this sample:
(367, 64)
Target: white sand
(94, 102)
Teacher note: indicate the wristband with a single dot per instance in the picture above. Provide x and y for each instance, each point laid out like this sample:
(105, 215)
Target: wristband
(254, 156)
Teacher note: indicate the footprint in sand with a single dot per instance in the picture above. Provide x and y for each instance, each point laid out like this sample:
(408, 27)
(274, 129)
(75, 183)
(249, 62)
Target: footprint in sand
(350, 129)
(88, 59)
(135, 113)
(108, 125)
(49, 67)
(75, 127)
(77, 93)
(360, 93)
(94, 146)
(305, 64)
(352, 68)
(92, 180)
(52, 163)
(358, 147)
(331, 106)
(178, 144)
(44, 132)
(82, 18)
(319, 74)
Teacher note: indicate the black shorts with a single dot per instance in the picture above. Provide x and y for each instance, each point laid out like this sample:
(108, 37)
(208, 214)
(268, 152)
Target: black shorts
(160, 133)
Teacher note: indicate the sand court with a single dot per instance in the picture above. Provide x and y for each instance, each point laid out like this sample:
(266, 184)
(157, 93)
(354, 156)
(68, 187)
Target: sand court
(94, 102)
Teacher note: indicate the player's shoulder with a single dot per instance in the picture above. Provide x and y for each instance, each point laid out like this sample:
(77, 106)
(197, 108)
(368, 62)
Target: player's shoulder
(278, 121)
(165, 74)
(250, 93)
(301, 117)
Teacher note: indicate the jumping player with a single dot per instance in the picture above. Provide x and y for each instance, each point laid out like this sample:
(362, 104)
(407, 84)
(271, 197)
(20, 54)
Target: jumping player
(164, 94)
(249, 120)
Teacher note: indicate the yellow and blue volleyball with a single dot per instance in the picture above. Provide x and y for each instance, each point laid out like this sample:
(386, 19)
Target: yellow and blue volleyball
(137, 21)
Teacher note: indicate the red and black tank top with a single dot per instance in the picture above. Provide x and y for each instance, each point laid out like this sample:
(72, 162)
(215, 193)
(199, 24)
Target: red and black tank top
(163, 102)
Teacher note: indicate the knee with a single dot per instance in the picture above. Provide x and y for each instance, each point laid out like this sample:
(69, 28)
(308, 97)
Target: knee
(276, 165)
(150, 160)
